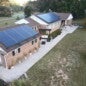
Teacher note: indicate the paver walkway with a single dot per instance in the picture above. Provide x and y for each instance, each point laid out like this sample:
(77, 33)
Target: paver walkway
(19, 69)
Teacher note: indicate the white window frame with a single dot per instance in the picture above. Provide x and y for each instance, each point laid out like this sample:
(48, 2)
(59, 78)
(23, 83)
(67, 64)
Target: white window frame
(16, 50)
(0, 60)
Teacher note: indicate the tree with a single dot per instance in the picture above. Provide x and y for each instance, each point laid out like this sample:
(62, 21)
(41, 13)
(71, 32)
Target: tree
(4, 1)
(76, 7)
(3, 83)
(27, 11)
(5, 11)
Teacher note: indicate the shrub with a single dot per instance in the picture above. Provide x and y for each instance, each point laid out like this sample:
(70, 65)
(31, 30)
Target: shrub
(55, 33)
(6, 23)
(18, 18)
(3, 83)
(49, 38)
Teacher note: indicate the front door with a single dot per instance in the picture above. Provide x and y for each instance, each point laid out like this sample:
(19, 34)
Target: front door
(63, 22)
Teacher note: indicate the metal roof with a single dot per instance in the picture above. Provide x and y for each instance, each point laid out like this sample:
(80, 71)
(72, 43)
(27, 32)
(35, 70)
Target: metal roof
(49, 17)
(15, 35)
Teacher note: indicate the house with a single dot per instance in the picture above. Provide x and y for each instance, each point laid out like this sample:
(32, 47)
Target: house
(16, 43)
(49, 22)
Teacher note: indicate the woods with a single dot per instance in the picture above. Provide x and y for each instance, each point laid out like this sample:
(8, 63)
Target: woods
(76, 7)
(5, 11)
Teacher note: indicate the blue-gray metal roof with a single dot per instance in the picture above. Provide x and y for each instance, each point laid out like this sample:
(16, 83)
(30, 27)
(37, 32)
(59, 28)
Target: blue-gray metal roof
(49, 17)
(16, 35)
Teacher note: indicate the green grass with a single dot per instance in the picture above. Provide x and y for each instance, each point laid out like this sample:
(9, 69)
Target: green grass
(68, 55)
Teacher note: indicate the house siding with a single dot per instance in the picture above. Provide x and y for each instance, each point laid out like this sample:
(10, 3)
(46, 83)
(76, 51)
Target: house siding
(25, 50)
(54, 26)
(68, 22)
(2, 62)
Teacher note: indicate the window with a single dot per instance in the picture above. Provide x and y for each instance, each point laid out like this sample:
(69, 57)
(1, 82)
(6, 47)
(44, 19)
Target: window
(13, 53)
(35, 40)
(32, 42)
(36, 28)
(2, 54)
(19, 50)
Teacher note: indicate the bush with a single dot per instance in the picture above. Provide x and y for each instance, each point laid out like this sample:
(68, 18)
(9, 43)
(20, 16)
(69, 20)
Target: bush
(27, 11)
(49, 38)
(6, 23)
(55, 33)
(21, 82)
(18, 18)
(3, 83)
(5, 11)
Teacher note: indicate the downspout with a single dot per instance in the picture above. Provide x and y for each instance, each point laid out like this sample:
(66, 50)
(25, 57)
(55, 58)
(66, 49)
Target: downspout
(5, 62)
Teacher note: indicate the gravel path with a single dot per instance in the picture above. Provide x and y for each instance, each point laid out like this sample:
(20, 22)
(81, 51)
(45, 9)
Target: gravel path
(20, 69)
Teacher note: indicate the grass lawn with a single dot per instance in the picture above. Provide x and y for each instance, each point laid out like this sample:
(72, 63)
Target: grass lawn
(8, 22)
(64, 65)
(80, 21)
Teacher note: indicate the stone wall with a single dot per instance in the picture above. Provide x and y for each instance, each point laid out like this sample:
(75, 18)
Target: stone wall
(25, 50)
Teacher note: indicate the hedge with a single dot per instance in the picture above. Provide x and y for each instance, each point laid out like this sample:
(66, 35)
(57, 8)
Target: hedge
(55, 33)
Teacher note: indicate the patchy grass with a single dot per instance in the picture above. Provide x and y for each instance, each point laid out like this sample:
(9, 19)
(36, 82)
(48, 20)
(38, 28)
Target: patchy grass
(80, 21)
(2, 18)
(64, 65)
(8, 22)
(68, 56)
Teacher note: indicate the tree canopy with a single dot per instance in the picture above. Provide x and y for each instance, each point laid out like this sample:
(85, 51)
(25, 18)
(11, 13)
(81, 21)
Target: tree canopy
(76, 7)
(4, 2)
(5, 11)
(27, 11)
